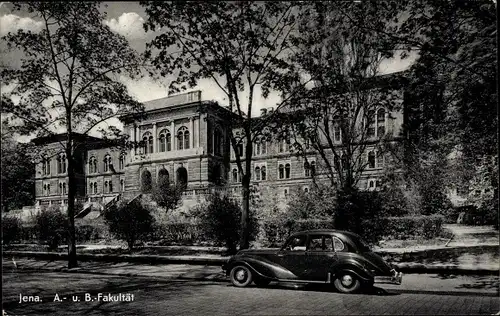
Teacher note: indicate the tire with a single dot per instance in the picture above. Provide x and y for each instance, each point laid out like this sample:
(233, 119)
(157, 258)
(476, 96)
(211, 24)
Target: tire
(241, 276)
(261, 282)
(347, 283)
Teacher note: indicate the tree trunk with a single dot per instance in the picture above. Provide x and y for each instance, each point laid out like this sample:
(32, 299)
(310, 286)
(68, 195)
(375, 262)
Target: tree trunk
(72, 260)
(245, 234)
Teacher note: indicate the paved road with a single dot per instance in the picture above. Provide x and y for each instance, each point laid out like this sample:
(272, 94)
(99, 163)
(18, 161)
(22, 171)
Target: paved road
(157, 296)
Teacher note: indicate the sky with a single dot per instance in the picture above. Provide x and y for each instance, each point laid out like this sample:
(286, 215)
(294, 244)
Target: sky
(126, 18)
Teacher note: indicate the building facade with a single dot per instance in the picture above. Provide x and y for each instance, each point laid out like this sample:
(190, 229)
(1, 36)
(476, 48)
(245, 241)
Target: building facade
(183, 139)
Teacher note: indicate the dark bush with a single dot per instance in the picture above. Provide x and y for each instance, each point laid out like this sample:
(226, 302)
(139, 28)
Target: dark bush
(51, 227)
(277, 230)
(11, 229)
(221, 222)
(89, 232)
(131, 222)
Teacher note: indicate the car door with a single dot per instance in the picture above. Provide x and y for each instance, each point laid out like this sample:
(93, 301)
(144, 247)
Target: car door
(293, 256)
(320, 257)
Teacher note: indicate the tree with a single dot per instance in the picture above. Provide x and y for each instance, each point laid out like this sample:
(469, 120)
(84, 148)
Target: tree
(240, 46)
(68, 80)
(166, 195)
(342, 115)
(17, 173)
(130, 221)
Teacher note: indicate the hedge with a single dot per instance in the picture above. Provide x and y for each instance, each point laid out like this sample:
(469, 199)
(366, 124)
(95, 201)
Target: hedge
(178, 232)
(406, 227)
(274, 232)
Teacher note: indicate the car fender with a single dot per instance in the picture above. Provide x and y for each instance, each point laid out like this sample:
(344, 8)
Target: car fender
(262, 268)
(355, 268)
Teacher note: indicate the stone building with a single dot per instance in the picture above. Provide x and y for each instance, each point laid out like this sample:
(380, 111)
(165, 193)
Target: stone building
(183, 139)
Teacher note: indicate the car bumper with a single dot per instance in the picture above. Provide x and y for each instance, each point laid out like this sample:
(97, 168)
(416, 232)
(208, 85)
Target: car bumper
(395, 278)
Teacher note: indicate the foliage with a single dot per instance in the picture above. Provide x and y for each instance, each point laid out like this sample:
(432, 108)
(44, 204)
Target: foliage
(277, 230)
(181, 232)
(167, 196)
(68, 79)
(17, 173)
(241, 46)
(11, 229)
(51, 227)
(318, 203)
(130, 221)
(407, 227)
(219, 221)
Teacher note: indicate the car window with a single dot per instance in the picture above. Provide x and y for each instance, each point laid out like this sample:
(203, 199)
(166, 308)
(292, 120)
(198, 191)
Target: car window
(338, 244)
(320, 243)
(297, 243)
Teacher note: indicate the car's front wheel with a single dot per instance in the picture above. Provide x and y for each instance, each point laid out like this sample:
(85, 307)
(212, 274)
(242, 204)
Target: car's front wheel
(347, 283)
(241, 276)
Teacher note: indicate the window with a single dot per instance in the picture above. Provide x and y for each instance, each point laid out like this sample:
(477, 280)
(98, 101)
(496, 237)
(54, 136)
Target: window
(281, 172)
(46, 189)
(107, 163)
(310, 168)
(95, 187)
(296, 243)
(122, 185)
(257, 173)
(260, 146)
(46, 166)
(337, 133)
(165, 141)
(218, 141)
(371, 160)
(285, 193)
(235, 175)
(284, 145)
(183, 138)
(306, 190)
(110, 186)
(121, 163)
(320, 243)
(106, 187)
(338, 245)
(263, 173)
(240, 148)
(147, 139)
(61, 164)
(287, 171)
(62, 188)
(92, 165)
(371, 124)
(380, 159)
(381, 122)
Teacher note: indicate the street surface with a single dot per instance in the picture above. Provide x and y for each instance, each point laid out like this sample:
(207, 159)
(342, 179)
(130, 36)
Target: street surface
(162, 296)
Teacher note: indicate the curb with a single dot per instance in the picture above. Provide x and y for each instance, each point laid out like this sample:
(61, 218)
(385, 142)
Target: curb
(410, 268)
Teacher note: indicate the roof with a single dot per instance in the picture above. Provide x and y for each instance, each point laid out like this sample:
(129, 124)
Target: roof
(62, 137)
(174, 100)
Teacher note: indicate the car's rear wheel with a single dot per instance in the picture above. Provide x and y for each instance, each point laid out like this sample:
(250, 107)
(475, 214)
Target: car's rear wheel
(261, 281)
(241, 276)
(347, 283)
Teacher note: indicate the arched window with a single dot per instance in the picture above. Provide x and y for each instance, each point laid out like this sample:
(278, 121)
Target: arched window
(306, 190)
(370, 132)
(239, 147)
(235, 175)
(147, 139)
(107, 163)
(46, 166)
(182, 177)
(313, 168)
(48, 189)
(61, 163)
(91, 186)
(106, 188)
(218, 141)
(146, 182)
(64, 187)
(92, 165)
(380, 159)
(281, 171)
(164, 141)
(95, 187)
(380, 122)
(284, 145)
(163, 178)
(287, 171)
(371, 160)
(257, 173)
(122, 161)
(263, 173)
(310, 168)
(337, 132)
(183, 138)
(110, 186)
(60, 188)
(45, 189)
(122, 185)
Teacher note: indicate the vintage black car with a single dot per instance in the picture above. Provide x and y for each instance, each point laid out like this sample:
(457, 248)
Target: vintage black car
(315, 256)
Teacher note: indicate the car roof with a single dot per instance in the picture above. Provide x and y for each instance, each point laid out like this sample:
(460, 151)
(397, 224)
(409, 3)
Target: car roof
(327, 231)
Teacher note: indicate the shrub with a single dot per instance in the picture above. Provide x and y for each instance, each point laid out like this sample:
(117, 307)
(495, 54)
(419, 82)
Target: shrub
(11, 229)
(277, 230)
(221, 222)
(51, 227)
(182, 232)
(414, 227)
(88, 232)
(167, 196)
(130, 222)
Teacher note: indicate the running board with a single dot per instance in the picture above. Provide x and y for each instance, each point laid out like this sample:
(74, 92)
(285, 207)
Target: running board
(328, 280)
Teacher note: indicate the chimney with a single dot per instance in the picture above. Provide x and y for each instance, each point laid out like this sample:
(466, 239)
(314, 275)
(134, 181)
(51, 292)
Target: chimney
(263, 112)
